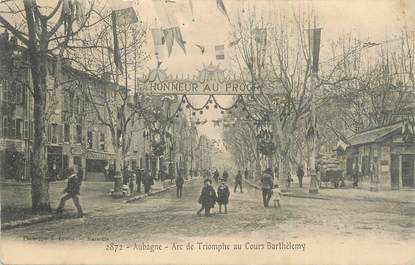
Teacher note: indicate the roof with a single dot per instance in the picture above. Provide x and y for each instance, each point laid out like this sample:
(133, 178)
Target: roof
(374, 135)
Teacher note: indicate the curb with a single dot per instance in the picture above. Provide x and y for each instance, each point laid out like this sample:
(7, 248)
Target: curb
(285, 194)
(31, 221)
(48, 218)
(142, 196)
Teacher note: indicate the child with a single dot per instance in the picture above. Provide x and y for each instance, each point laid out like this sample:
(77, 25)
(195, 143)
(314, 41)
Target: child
(223, 196)
(276, 194)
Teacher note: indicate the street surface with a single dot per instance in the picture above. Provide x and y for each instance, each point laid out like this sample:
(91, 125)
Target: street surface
(164, 217)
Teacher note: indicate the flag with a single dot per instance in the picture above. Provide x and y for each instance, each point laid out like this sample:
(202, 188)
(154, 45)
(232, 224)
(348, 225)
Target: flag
(202, 48)
(261, 36)
(222, 8)
(126, 16)
(117, 55)
(165, 14)
(235, 42)
(220, 52)
(159, 40)
(124, 12)
(191, 6)
(179, 38)
(314, 45)
(169, 39)
(407, 132)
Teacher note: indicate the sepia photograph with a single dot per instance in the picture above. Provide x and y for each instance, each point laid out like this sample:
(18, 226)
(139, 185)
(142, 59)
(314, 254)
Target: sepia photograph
(207, 131)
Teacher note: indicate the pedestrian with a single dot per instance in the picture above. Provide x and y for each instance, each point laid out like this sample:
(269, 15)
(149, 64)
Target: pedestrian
(131, 181)
(356, 177)
(267, 184)
(147, 181)
(179, 185)
(207, 198)
(300, 175)
(223, 196)
(138, 179)
(289, 179)
(216, 175)
(246, 173)
(238, 181)
(72, 191)
(225, 175)
(276, 195)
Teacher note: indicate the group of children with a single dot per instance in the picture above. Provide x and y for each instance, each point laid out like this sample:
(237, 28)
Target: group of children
(208, 196)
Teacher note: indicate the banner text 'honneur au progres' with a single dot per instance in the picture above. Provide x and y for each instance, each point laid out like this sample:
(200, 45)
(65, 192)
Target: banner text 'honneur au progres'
(198, 88)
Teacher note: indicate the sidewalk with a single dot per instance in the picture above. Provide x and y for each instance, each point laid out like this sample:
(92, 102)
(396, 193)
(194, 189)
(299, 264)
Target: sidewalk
(95, 197)
(398, 196)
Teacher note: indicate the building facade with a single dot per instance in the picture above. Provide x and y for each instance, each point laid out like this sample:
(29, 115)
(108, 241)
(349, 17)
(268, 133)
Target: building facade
(384, 157)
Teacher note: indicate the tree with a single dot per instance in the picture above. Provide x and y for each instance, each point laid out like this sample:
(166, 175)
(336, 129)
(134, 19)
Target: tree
(120, 108)
(275, 56)
(44, 31)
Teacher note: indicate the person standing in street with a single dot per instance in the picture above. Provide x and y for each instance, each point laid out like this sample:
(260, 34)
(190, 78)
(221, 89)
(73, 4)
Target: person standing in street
(72, 191)
(238, 181)
(300, 175)
(216, 175)
(246, 173)
(147, 182)
(223, 196)
(179, 185)
(267, 184)
(276, 195)
(207, 198)
(138, 179)
(225, 175)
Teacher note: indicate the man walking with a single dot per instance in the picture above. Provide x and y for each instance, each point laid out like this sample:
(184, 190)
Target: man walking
(267, 185)
(179, 185)
(238, 181)
(138, 179)
(300, 175)
(72, 191)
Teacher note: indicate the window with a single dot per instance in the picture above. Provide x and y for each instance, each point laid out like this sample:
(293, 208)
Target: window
(102, 142)
(78, 134)
(19, 128)
(52, 133)
(66, 133)
(12, 129)
(5, 127)
(26, 129)
(90, 139)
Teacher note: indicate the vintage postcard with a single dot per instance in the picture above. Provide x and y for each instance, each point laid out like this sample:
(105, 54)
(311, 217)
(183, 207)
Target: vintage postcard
(207, 131)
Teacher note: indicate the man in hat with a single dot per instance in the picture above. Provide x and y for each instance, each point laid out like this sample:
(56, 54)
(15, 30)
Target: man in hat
(72, 191)
(207, 198)
(238, 181)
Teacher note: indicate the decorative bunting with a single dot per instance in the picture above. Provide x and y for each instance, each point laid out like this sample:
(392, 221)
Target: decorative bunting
(191, 7)
(235, 42)
(261, 36)
(314, 45)
(221, 7)
(165, 14)
(117, 56)
(159, 41)
(169, 38)
(202, 48)
(179, 38)
(220, 52)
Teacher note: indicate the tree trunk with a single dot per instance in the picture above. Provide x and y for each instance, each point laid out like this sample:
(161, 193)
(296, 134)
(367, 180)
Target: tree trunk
(38, 65)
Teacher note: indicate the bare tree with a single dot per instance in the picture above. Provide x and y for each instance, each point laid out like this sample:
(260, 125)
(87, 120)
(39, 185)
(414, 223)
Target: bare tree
(44, 31)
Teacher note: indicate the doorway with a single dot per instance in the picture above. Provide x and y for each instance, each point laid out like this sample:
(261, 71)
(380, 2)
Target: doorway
(408, 171)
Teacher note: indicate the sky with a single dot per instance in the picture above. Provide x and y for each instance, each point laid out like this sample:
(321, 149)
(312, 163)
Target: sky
(371, 20)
